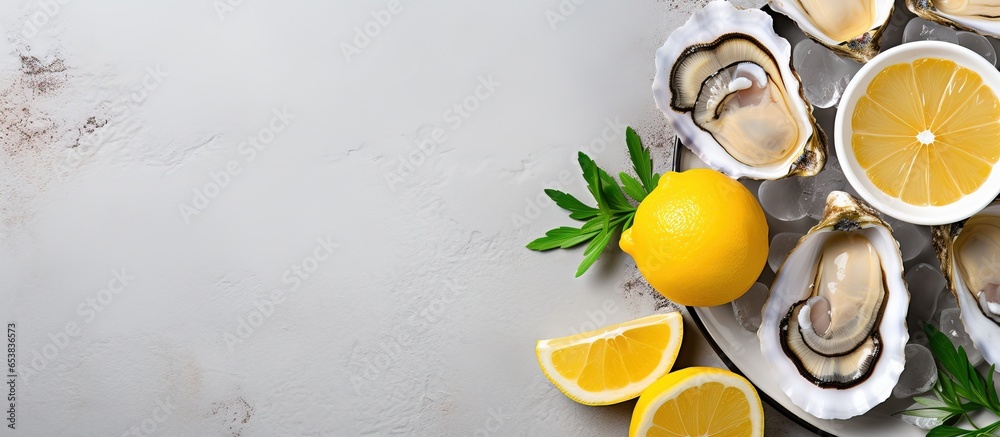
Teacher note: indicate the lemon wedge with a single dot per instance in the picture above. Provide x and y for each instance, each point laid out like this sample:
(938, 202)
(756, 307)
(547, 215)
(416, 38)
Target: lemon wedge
(615, 363)
(699, 401)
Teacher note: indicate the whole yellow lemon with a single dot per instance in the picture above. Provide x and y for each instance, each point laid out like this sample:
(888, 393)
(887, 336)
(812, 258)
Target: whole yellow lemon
(700, 238)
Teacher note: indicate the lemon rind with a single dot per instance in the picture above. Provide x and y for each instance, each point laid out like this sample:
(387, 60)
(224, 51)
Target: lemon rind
(673, 320)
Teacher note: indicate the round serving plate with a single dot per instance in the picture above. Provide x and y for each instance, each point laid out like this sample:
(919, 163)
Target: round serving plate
(740, 348)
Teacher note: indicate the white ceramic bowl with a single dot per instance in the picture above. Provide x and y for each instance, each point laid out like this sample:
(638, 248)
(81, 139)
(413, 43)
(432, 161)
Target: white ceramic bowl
(921, 215)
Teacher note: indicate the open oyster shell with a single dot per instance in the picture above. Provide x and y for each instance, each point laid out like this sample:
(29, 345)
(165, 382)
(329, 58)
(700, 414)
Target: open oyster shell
(834, 326)
(852, 28)
(969, 253)
(725, 82)
(982, 16)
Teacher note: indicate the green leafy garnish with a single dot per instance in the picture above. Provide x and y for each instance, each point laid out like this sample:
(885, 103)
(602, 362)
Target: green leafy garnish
(613, 211)
(961, 390)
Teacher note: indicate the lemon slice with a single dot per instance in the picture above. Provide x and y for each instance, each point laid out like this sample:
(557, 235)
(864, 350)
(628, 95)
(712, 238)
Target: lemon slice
(615, 363)
(926, 132)
(699, 401)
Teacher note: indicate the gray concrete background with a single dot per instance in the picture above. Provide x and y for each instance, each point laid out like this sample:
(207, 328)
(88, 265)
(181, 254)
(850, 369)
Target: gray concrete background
(308, 218)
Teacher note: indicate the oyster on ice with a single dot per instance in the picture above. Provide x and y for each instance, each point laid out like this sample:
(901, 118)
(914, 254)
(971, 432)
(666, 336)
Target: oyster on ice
(834, 326)
(969, 253)
(982, 16)
(852, 28)
(725, 82)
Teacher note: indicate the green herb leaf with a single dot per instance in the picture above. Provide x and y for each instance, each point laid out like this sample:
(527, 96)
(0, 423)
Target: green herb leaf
(583, 216)
(595, 224)
(578, 210)
(632, 187)
(968, 383)
(938, 408)
(642, 162)
(568, 202)
(613, 193)
(946, 431)
(613, 213)
(628, 223)
(961, 388)
(593, 178)
(933, 413)
(947, 390)
(593, 251)
(929, 402)
(994, 402)
(579, 239)
(562, 237)
(987, 430)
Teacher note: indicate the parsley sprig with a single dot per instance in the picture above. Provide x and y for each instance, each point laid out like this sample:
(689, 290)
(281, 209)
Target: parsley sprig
(613, 210)
(961, 390)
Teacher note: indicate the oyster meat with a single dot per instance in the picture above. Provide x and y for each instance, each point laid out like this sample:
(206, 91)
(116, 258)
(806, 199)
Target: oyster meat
(970, 259)
(852, 28)
(982, 16)
(988, 9)
(835, 320)
(724, 80)
(830, 333)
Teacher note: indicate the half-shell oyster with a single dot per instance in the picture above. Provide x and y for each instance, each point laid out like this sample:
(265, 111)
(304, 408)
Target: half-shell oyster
(851, 27)
(969, 253)
(725, 82)
(982, 16)
(834, 327)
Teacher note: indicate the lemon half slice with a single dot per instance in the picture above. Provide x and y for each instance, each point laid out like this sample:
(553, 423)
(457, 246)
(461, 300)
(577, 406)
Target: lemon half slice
(926, 132)
(699, 401)
(615, 363)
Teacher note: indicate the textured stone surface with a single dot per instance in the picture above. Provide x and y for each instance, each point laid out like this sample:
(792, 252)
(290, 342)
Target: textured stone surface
(195, 157)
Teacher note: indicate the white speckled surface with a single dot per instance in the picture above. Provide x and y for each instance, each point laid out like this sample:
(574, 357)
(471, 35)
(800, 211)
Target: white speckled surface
(165, 167)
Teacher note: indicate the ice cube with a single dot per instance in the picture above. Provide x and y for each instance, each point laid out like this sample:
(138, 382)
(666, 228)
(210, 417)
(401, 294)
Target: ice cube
(816, 189)
(918, 336)
(945, 302)
(824, 74)
(780, 198)
(978, 44)
(781, 244)
(919, 375)
(748, 307)
(912, 239)
(925, 283)
(951, 325)
(919, 29)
